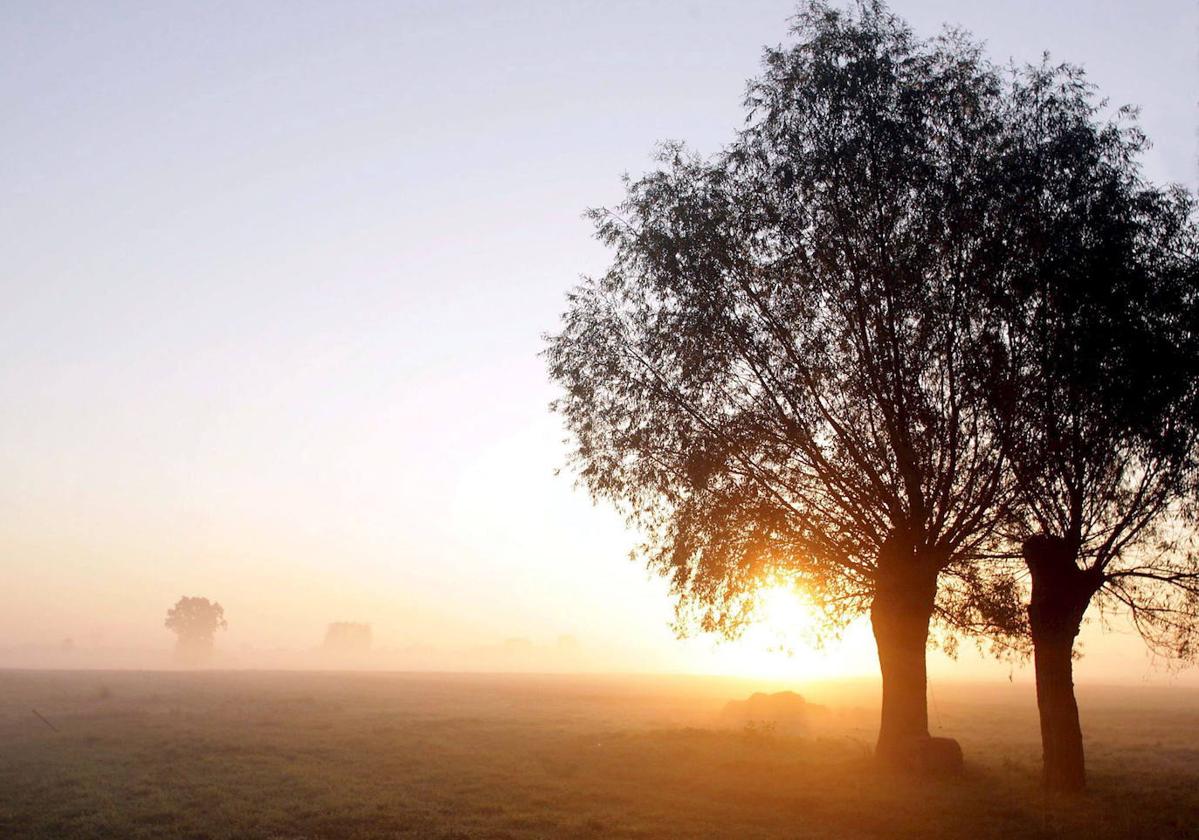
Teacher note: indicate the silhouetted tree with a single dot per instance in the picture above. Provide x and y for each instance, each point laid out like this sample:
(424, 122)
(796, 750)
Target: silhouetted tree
(777, 378)
(195, 622)
(1100, 387)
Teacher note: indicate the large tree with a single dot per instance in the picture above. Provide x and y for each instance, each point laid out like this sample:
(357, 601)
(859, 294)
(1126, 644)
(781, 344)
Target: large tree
(777, 379)
(1100, 386)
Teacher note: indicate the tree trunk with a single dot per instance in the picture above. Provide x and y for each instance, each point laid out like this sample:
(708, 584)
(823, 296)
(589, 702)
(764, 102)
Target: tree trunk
(1061, 592)
(1061, 735)
(903, 604)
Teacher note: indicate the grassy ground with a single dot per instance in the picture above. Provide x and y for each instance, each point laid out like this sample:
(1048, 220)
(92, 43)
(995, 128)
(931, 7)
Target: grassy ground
(327, 755)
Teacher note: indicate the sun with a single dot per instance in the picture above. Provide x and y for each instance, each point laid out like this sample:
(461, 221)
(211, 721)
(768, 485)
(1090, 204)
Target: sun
(781, 610)
(784, 642)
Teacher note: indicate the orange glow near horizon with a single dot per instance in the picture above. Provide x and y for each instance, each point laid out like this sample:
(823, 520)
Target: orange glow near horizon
(785, 643)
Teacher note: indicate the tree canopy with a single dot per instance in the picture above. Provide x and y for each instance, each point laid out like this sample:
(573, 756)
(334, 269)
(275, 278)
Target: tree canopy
(1102, 389)
(777, 377)
(195, 620)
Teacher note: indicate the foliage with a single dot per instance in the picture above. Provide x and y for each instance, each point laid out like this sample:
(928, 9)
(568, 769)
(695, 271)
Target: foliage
(195, 620)
(779, 372)
(1100, 376)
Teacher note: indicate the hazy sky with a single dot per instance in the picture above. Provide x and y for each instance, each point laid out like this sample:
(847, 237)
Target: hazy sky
(274, 276)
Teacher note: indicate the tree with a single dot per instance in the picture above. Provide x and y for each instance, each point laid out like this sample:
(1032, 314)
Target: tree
(778, 378)
(195, 622)
(1099, 389)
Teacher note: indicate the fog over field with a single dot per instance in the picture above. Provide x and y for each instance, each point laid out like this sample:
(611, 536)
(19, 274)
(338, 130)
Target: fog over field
(223, 755)
(606, 418)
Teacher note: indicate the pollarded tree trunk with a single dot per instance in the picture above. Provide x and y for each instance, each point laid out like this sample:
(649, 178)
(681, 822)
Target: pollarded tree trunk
(903, 605)
(1061, 592)
(1061, 734)
(901, 634)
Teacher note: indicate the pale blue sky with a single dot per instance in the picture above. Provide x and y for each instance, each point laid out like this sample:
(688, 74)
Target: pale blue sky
(274, 276)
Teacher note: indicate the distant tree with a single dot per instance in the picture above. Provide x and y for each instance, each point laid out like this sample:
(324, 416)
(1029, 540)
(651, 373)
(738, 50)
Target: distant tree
(195, 622)
(777, 379)
(347, 637)
(1100, 387)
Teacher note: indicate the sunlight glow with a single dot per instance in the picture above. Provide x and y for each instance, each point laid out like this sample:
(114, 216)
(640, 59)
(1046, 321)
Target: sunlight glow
(785, 642)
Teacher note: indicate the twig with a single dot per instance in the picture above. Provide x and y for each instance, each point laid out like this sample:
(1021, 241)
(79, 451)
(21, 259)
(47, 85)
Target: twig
(43, 720)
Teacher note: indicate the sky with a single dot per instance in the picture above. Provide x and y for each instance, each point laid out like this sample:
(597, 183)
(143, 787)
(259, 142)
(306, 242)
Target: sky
(274, 282)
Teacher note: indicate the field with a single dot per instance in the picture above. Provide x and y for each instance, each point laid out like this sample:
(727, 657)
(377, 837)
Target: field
(361, 755)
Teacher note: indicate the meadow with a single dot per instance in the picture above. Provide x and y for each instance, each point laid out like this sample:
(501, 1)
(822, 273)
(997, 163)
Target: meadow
(369, 755)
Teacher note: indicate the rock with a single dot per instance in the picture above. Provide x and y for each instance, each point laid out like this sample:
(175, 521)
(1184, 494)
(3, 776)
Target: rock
(785, 709)
(927, 757)
(942, 757)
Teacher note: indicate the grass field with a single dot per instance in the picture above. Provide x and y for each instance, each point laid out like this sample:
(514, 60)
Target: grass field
(360, 755)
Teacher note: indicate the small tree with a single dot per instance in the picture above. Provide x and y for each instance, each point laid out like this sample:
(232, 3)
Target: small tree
(777, 379)
(1100, 388)
(195, 622)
